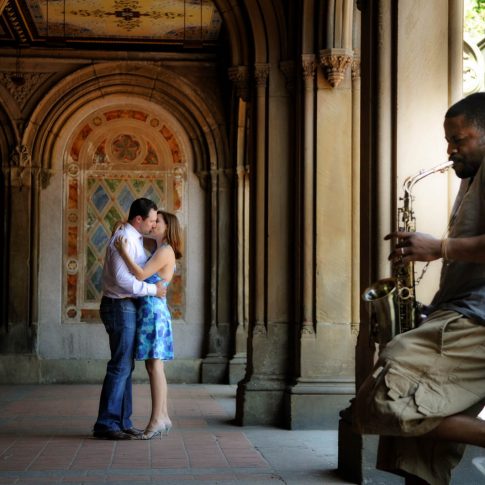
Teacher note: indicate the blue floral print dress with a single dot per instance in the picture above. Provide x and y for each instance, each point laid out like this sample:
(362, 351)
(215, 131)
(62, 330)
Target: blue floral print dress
(154, 339)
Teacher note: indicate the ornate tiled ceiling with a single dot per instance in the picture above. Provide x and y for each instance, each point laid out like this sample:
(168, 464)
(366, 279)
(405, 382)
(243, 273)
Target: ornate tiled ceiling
(164, 22)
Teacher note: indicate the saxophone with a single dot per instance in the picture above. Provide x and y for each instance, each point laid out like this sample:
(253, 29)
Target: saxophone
(393, 300)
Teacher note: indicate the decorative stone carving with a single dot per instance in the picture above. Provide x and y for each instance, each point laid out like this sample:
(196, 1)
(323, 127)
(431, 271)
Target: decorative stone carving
(226, 178)
(355, 68)
(334, 63)
(259, 329)
(20, 167)
(239, 75)
(307, 329)
(242, 171)
(288, 70)
(22, 92)
(309, 66)
(473, 68)
(261, 73)
(16, 23)
(204, 179)
(45, 177)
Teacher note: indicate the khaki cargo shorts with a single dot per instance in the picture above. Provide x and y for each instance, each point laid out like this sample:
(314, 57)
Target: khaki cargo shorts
(422, 376)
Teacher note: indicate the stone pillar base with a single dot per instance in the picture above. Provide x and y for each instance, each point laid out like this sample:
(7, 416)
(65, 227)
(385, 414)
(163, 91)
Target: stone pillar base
(314, 404)
(237, 368)
(260, 403)
(214, 370)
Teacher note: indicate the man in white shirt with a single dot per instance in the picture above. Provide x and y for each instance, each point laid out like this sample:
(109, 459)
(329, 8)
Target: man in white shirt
(118, 313)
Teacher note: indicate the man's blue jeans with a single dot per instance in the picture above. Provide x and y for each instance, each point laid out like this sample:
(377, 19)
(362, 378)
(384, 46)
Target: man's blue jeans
(115, 405)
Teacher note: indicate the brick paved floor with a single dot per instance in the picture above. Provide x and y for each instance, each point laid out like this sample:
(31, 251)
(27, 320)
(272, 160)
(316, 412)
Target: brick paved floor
(45, 438)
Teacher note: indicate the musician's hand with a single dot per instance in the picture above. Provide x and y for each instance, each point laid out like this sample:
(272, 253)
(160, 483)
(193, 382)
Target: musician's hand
(414, 246)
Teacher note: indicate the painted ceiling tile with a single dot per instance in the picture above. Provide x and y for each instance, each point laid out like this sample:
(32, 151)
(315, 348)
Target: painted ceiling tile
(131, 19)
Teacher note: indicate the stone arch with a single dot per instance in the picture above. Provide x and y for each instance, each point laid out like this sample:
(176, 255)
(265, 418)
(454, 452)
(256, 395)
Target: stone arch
(199, 124)
(264, 31)
(204, 125)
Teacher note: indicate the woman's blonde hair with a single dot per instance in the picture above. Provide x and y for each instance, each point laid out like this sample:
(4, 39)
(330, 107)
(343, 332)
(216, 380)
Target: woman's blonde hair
(173, 234)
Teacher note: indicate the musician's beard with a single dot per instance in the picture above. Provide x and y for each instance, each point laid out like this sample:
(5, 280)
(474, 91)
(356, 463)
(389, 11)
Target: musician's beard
(465, 169)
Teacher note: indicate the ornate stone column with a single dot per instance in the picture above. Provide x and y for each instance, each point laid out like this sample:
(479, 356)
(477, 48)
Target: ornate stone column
(21, 184)
(260, 394)
(326, 342)
(356, 116)
(215, 364)
(261, 73)
(239, 75)
(309, 66)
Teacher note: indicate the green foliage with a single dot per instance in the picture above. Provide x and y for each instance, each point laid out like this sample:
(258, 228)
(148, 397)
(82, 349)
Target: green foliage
(479, 6)
(474, 14)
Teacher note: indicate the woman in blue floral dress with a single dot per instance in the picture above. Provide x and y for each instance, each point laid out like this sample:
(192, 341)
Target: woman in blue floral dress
(154, 342)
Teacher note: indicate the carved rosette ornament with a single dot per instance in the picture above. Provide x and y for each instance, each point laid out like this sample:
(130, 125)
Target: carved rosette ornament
(334, 63)
(239, 75)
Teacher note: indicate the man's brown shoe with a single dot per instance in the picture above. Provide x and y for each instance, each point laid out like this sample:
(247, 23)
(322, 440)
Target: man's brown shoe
(135, 432)
(112, 435)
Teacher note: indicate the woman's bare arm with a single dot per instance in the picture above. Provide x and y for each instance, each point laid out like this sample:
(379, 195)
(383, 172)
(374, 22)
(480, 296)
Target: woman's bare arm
(155, 264)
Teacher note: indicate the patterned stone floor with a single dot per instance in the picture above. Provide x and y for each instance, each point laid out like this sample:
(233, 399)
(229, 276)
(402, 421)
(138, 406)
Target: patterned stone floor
(45, 438)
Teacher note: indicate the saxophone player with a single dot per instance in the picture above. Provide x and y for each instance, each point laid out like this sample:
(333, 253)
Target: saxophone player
(428, 385)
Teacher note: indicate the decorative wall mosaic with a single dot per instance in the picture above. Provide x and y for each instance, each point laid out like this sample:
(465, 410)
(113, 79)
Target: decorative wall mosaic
(110, 163)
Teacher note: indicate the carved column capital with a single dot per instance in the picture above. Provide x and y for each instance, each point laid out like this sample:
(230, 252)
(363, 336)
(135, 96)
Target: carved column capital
(204, 179)
(226, 178)
(239, 75)
(20, 166)
(308, 65)
(288, 70)
(355, 68)
(334, 63)
(242, 171)
(259, 329)
(45, 177)
(261, 73)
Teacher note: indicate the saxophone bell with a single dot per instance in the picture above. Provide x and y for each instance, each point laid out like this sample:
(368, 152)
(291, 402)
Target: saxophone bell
(383, 296)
